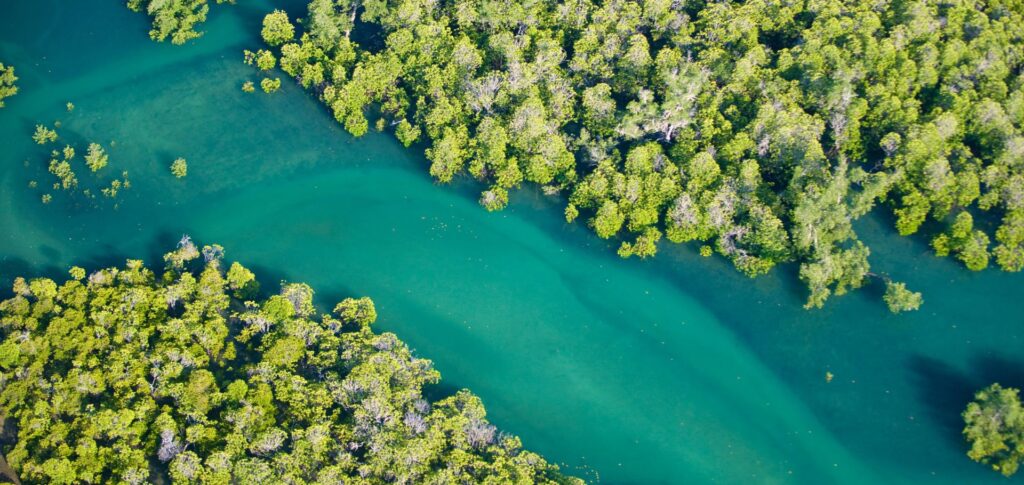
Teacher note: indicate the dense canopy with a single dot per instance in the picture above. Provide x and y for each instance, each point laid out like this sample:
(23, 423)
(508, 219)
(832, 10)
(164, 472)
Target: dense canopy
(124, 375)
(761, 128)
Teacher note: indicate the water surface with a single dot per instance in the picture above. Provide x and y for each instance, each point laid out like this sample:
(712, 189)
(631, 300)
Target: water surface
(666, 371)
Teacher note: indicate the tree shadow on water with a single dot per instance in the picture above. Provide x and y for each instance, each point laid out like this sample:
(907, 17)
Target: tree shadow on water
(439, 391)
(946, 391)
(992, 367)
(11, 268)
(270, 280)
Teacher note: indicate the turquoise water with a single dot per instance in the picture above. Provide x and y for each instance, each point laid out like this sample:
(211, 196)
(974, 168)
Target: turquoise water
(666, 371)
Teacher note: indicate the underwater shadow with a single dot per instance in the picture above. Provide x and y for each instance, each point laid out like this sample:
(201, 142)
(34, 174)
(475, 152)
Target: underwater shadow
(945, 392)
(108, 256)
(12, 267)
(334, 294)
(269, 279)
(252, 15)
(439, 391)
(991, 367)
(921, 238)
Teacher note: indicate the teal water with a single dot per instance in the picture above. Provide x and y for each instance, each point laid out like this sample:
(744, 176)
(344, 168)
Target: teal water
(676, 370)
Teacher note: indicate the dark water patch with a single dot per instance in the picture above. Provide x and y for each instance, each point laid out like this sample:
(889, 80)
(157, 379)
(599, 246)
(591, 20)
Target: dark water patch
(947, 392)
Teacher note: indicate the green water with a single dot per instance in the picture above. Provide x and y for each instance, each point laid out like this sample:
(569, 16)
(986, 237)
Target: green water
(667, 371)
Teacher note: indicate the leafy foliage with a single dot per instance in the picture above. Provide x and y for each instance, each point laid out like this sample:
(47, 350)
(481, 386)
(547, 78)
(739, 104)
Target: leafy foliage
(179, 168)
(277, 29)
(7, 80)
(270, 85)
(125, 375)
(900, 299)
(44, 135)
(176, 19)
(96, 158)
(994, 426)
(761, 129)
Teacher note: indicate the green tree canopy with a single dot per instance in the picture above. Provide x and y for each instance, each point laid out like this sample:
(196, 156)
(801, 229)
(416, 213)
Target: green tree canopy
(900, 299)
(179, 168)
(96, 158)
(126, 375)
(176, 19)
(994, 426)
(277, 29)
(7, 80)
(759, 129)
